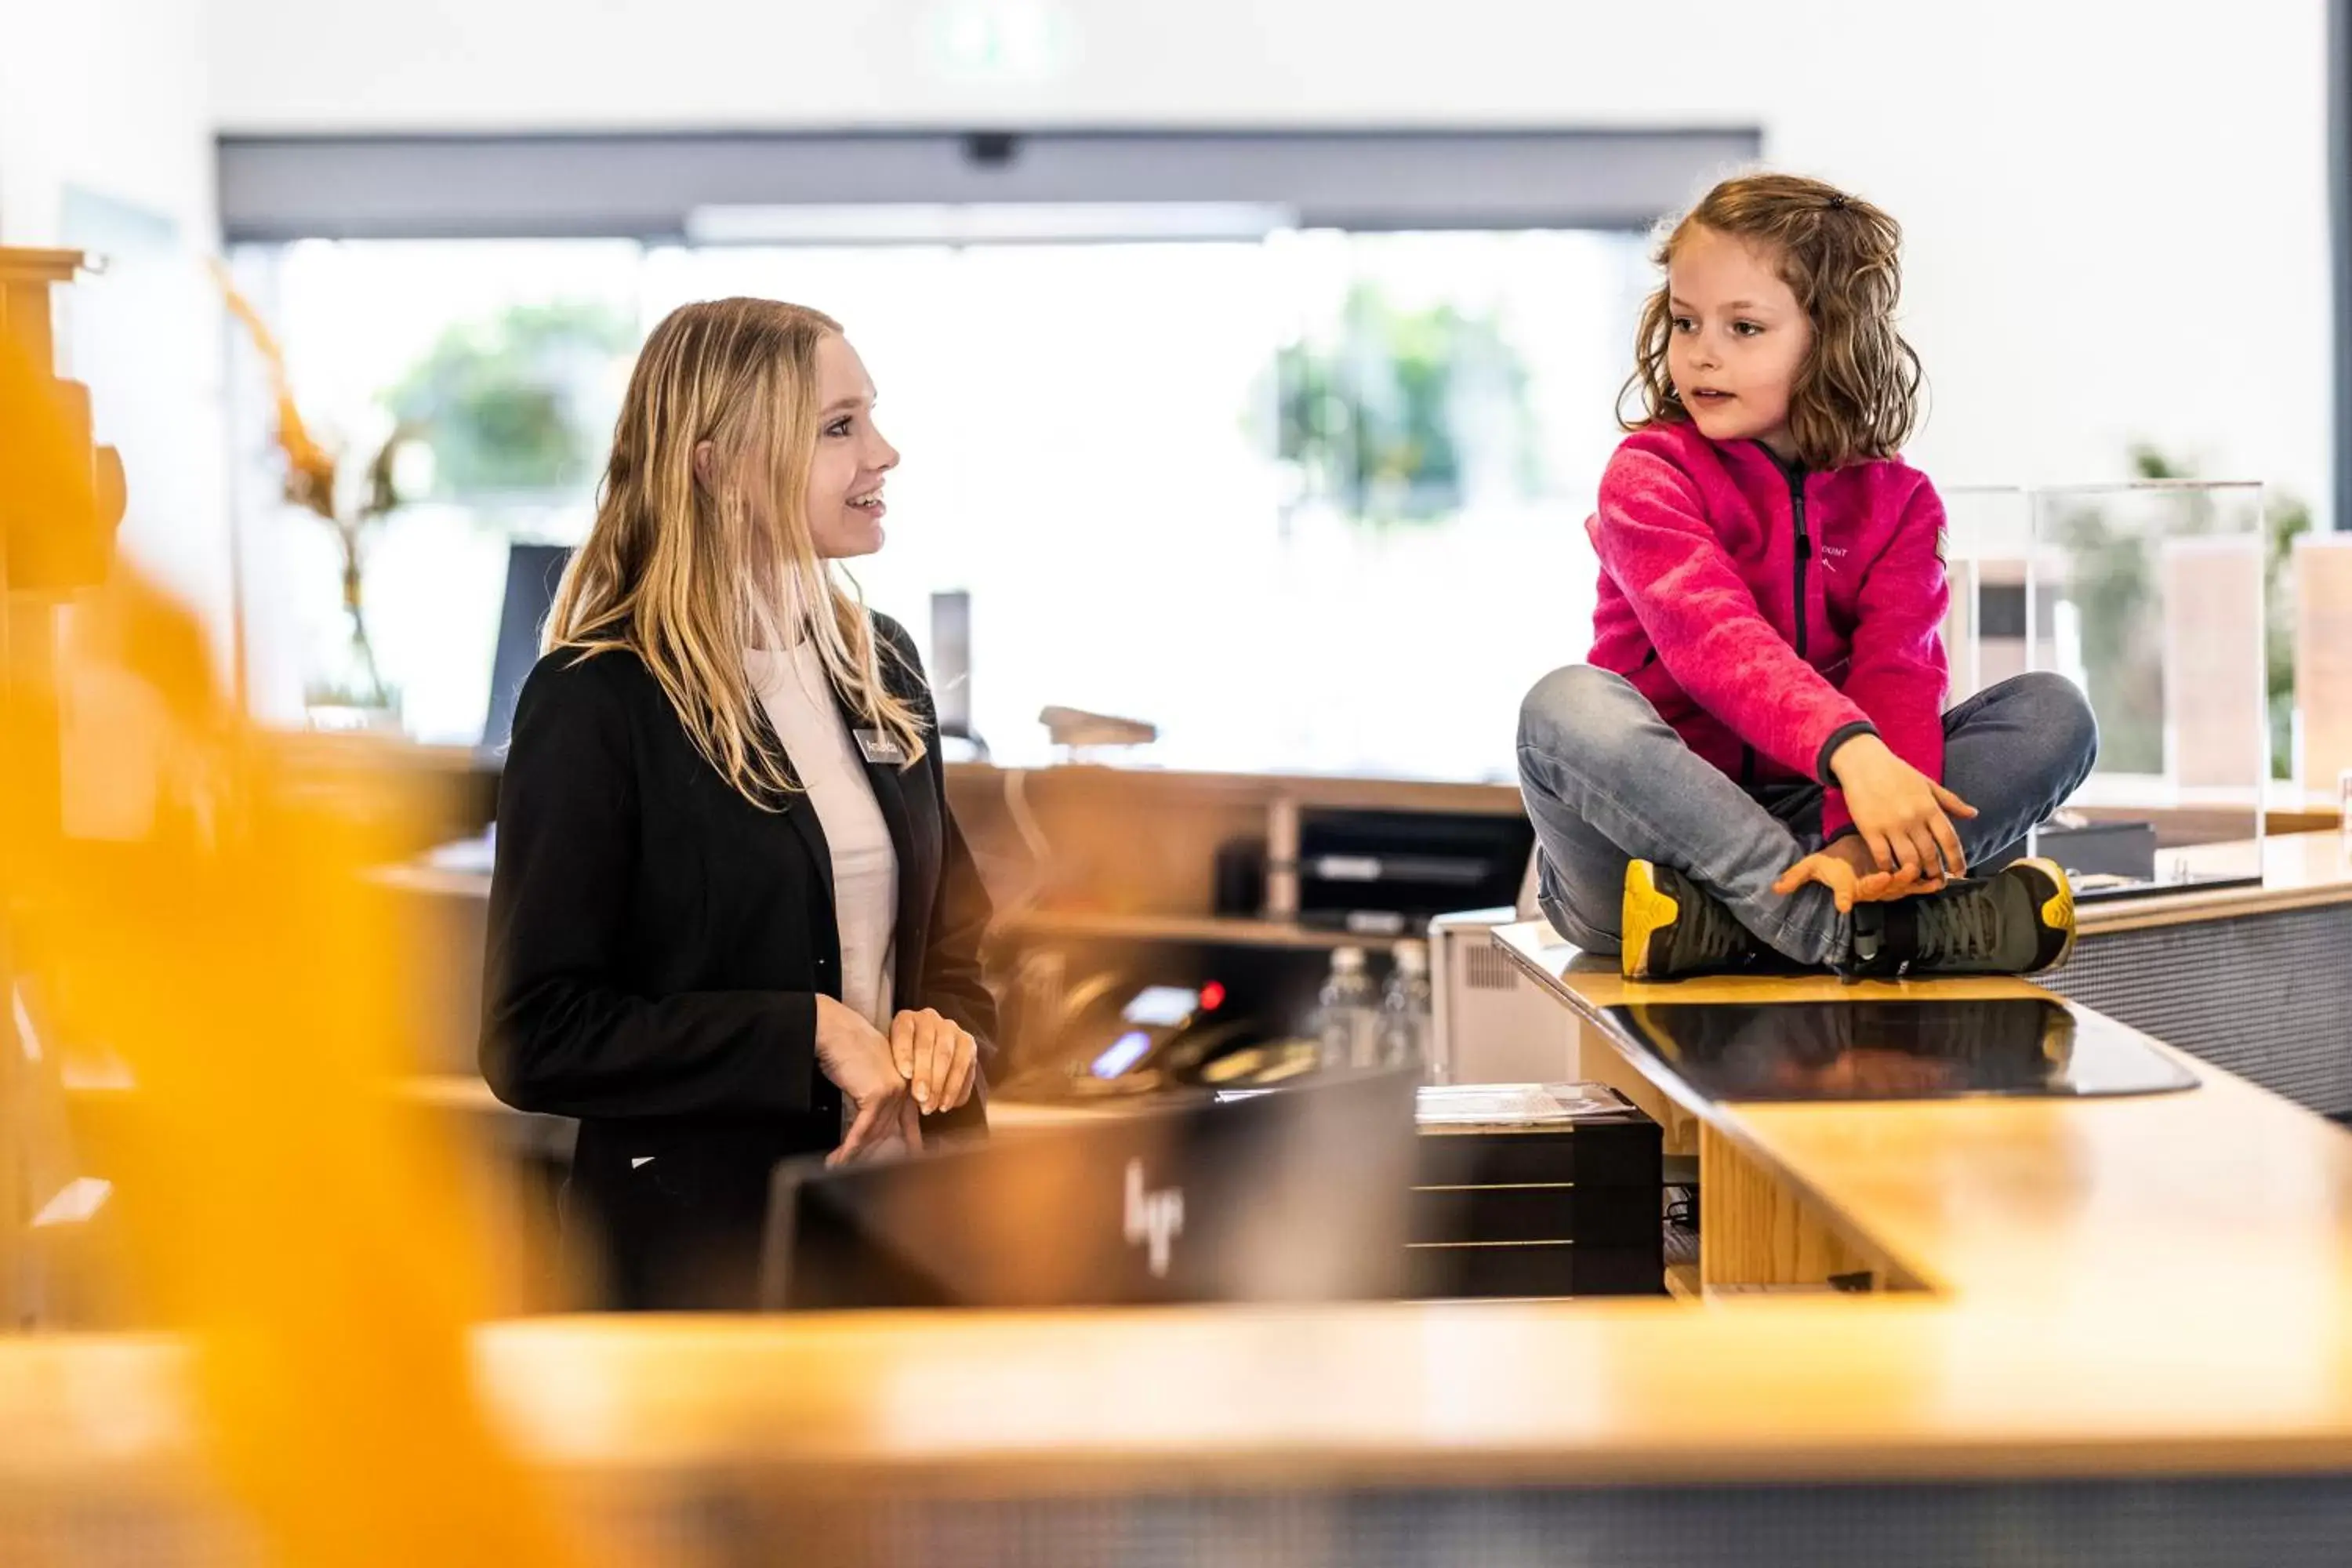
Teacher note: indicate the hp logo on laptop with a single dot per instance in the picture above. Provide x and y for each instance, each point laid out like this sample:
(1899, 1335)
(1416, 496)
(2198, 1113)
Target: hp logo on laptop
(1154, 1220)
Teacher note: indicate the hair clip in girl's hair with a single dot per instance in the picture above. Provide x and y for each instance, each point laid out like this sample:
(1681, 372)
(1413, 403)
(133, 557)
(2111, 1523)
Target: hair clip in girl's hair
(1837, 204)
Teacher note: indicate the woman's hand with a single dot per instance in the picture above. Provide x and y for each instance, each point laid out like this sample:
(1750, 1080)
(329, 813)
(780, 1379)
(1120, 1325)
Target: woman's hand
(860, 1062)
(1904, 816)
(936, 1057)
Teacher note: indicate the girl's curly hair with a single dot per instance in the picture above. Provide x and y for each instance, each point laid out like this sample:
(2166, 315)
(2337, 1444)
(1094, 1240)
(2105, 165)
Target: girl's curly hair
(1858, 395)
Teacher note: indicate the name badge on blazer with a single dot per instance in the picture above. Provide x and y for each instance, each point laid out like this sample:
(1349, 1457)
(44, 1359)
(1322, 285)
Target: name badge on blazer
(879, 747)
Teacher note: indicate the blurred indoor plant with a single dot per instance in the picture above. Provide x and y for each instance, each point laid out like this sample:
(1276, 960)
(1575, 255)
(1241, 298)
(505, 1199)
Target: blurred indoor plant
(518, 405)
(350, 693)
(1373, 411)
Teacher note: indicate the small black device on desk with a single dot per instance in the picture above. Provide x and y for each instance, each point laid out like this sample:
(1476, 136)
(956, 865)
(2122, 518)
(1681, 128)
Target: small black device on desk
(2103, 859)
(2107, 861)
(1388, 872)
(1294, 1194)
(1536, 1190)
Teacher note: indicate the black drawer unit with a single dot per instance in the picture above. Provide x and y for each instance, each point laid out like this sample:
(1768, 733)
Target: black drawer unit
(1530, 1203)
(1545, 1212)
(1535, 1269)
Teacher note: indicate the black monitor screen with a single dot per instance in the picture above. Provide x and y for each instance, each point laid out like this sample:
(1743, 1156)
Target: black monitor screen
(533, 571)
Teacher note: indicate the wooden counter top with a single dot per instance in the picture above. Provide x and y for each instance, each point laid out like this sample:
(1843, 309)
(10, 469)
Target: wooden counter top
(2300, 870)
(2070, 1383)
(2221, 1191)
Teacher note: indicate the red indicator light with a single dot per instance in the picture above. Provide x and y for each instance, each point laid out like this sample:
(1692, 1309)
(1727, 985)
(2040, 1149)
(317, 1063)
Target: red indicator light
(1212, 997)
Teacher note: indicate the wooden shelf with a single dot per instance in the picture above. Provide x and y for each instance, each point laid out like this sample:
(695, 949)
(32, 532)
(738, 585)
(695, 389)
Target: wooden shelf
(1156, 786)
(1079, 925)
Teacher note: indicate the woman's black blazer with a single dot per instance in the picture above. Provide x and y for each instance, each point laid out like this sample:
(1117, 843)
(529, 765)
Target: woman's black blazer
(657, 946)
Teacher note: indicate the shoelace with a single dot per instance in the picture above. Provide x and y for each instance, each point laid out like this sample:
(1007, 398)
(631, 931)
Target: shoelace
(1720, 932)
(1963, 924)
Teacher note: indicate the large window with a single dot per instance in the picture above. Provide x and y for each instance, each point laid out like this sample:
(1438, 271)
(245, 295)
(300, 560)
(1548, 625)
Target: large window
(508, 358)
(1310, 502)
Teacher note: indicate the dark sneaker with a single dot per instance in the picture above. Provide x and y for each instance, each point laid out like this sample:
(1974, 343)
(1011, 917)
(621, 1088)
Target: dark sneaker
(1672, 928)
(2019, 921)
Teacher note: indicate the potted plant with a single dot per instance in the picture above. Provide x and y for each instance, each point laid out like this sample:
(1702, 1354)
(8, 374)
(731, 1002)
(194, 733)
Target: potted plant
(350, 691)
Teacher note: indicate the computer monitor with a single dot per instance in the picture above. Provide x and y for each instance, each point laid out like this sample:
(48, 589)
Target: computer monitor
(1294, 1194)
(533, 572)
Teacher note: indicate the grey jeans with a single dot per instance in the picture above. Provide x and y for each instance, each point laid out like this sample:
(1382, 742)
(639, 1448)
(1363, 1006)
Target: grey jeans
(1606, 781)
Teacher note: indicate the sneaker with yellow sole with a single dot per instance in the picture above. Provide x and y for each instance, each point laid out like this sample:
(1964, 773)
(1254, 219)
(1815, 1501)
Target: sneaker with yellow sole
(2019, 921)
(1672, 926)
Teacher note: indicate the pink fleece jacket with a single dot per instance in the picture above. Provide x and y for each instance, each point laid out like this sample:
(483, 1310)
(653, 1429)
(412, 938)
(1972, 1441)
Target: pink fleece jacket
(1771, 615)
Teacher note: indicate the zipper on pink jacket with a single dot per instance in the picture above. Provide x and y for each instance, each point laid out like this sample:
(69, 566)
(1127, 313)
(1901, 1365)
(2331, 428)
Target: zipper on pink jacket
(1796, 477)
(1804, 554)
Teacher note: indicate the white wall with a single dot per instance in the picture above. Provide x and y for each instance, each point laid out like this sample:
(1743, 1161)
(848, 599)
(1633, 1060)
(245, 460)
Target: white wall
(106, 143)
(2117, 211)
(106, 94)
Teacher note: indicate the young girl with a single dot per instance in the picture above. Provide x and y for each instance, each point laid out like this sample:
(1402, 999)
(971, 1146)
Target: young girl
(1755, 758)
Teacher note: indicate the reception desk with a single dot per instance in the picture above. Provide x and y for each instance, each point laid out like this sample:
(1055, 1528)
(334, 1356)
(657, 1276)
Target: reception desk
(2251, 977)
(2098, 1330)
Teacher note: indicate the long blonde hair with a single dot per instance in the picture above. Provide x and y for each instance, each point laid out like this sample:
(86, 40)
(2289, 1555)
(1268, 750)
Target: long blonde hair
(1858, 395)
(686, 575)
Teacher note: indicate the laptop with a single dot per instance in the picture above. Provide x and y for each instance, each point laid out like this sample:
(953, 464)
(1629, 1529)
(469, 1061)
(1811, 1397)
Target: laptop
(1296, 1194)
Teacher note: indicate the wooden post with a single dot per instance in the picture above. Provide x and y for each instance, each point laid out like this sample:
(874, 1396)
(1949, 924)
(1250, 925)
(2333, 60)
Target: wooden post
(1754, 1231)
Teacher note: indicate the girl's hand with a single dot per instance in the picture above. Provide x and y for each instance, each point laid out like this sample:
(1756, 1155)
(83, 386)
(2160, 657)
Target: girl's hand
(1904, 816)
(1846, 870)
(1830, 870)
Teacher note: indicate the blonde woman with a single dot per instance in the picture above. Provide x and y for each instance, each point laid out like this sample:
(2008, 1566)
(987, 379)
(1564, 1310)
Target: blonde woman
(733, 920)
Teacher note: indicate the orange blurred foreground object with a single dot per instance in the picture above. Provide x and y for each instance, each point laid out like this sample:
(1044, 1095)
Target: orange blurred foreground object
(309, 1233)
